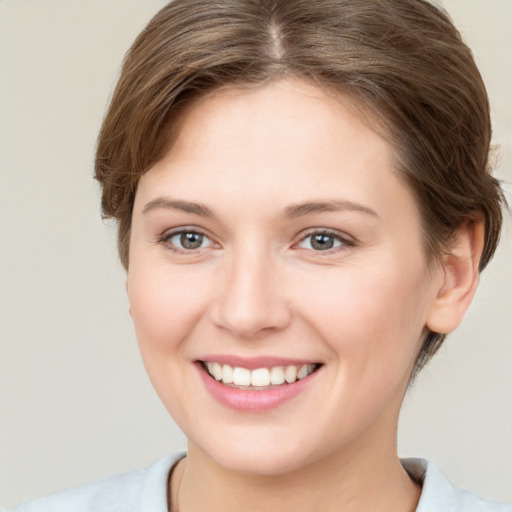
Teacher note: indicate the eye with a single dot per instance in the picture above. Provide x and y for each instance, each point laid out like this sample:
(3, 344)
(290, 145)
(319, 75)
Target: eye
(186, 240)
(323, 241)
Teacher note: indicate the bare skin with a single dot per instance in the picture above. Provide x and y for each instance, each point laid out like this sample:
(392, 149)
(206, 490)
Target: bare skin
(309, 490)
(258, 176)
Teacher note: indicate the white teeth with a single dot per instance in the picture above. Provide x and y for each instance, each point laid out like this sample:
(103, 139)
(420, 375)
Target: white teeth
(217, 371)
(260, 377)
(277, 375)
(305, 370)
(227, 374)
(241, 376)
(290, 374)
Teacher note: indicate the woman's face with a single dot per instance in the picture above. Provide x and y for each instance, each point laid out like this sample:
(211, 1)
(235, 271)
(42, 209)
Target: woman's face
(276, 236)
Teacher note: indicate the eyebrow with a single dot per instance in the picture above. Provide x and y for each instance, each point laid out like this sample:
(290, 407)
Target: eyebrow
(293, 211)
(175, 204)
(314, 207)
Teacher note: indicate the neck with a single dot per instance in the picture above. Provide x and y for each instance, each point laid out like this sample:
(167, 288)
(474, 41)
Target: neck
(368, 477)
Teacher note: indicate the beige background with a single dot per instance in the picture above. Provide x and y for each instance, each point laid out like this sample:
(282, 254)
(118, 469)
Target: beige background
(75, 404)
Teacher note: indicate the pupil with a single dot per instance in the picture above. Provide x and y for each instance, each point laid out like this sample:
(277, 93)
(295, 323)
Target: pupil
(191, 240)
(322, 242)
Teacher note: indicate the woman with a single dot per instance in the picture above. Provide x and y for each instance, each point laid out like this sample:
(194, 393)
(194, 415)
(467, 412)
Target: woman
(304, 206)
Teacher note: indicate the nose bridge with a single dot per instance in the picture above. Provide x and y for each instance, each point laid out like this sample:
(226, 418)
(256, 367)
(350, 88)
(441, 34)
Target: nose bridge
(252, 300)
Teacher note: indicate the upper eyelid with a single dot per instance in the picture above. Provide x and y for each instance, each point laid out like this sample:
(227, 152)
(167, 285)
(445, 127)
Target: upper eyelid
(183, 229)
(346, 242)
(172, 232)
(325, 231)
(343, 237)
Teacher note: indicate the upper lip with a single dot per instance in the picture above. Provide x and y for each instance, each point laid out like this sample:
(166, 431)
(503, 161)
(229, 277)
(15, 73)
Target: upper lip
(252, 363)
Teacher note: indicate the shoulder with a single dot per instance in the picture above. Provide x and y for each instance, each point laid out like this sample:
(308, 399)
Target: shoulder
(438, 495)
(144, 490)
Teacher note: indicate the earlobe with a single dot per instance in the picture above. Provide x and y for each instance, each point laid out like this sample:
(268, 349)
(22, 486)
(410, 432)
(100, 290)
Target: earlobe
(460, 270)
(127, 293)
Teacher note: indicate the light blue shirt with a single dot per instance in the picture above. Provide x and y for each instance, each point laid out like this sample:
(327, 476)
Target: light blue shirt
(145, 490)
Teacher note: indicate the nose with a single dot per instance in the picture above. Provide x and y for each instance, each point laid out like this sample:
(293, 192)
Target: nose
(252, 299)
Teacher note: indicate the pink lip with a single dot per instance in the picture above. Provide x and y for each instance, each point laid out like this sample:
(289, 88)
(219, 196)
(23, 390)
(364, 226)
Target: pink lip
(252, 363)
(244, 400)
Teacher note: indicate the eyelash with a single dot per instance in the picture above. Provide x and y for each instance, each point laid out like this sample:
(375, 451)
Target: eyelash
(343, 242)
(168, 236)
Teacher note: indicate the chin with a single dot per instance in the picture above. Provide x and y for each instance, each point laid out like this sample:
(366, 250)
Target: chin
(265, 457)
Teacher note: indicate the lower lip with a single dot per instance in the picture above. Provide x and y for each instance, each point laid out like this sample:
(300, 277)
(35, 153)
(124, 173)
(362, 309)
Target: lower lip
(253, 400)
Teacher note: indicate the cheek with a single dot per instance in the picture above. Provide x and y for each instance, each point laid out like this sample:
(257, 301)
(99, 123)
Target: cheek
(370, 317)
(165, 305)
(372, 322)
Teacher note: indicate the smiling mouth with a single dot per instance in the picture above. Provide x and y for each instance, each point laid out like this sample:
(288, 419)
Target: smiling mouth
(258, 379)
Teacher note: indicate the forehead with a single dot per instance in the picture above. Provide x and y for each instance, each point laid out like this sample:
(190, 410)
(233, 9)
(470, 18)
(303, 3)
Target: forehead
(289, 107)
(289, 140)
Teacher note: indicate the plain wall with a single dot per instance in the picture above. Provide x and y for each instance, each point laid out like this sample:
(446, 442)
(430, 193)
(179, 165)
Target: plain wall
(75, 403)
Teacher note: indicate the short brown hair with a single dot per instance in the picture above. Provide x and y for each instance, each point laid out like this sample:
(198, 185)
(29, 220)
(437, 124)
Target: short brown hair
(403, 61)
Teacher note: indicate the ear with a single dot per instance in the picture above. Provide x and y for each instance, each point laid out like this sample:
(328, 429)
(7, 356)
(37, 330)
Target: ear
(460, 278)
(127, 293)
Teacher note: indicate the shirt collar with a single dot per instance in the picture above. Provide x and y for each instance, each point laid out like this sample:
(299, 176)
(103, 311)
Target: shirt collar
(438, 495)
